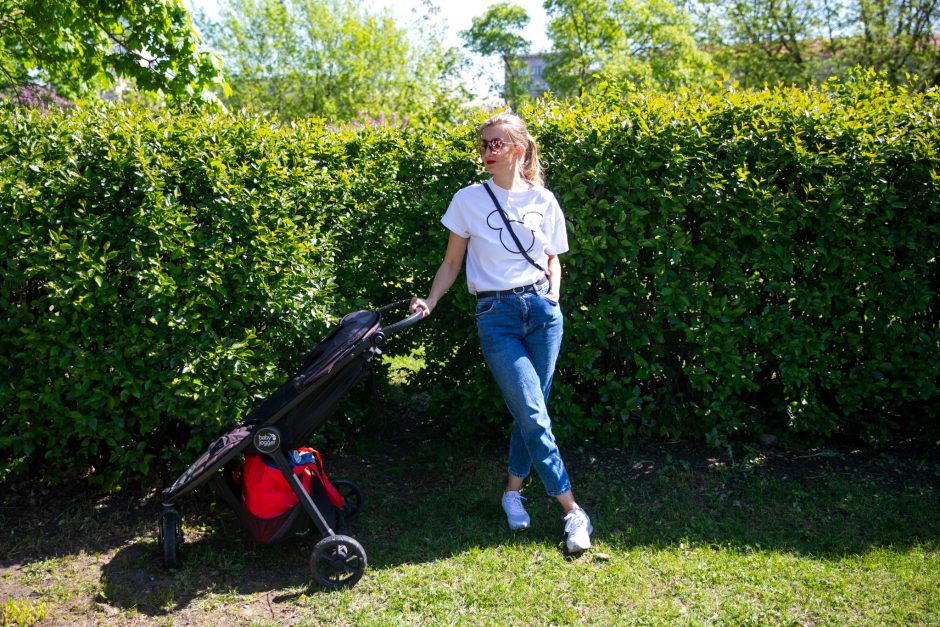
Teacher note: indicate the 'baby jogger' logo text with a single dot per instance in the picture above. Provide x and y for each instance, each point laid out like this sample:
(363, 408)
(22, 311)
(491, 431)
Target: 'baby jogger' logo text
(267, 440)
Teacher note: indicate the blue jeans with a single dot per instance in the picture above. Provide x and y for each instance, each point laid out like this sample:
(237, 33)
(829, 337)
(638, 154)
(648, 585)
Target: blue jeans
(520, 335)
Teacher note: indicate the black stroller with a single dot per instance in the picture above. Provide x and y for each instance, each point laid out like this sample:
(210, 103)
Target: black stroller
(281, 423)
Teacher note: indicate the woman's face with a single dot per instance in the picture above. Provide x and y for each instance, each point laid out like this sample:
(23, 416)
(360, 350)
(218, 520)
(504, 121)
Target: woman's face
(499, 156)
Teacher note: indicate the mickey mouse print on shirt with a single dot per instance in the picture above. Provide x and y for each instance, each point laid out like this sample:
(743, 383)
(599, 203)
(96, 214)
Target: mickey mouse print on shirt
(524, 232)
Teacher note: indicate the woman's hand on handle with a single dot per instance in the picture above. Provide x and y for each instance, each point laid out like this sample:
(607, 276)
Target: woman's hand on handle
(419, 304)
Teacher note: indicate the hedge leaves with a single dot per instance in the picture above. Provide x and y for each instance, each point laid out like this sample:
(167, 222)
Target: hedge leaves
(741, 263)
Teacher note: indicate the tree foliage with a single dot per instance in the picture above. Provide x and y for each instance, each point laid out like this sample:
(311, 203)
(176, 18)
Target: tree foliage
(763, 41)
(799, 41)
(895, 37)
(581, 31)
(639, 41)
(655, 45)
(496, 33)
(78, 47)
(329, 58)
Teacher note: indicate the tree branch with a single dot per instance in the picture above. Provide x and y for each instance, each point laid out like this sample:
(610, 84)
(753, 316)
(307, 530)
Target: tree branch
(13, 26)
(117, 40)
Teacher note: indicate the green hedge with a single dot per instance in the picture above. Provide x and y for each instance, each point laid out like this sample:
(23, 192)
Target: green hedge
(159, 271)
(753, 262)
(741, 263)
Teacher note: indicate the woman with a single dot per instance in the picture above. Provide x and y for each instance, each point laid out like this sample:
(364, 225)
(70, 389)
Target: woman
(513, 269)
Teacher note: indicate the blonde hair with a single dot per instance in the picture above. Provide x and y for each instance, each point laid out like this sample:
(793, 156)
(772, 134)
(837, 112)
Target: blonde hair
(518, 135)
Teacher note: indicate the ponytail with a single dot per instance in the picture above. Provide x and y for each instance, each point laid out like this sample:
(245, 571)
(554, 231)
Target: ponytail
(531, 168)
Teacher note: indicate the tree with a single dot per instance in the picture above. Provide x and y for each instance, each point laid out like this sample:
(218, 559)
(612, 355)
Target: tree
(83, 46)
(655, 45)
(895, 37)
(329, 58)
(766, 41)
(495, 33)
(639, 41)
(582, 31)
(799, 41)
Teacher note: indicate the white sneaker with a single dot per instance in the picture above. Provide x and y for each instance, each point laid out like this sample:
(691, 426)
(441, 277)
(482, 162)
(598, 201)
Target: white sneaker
(578, 531)
(516, 515)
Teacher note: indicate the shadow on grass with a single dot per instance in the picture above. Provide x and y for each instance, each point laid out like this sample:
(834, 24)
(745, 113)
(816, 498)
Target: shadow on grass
(428, 499)
(820, 502)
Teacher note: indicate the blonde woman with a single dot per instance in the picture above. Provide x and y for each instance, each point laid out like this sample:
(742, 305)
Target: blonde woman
(511, 230)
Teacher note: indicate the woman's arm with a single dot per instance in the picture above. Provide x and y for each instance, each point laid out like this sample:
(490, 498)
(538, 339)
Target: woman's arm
(554, 278)
(446, 274)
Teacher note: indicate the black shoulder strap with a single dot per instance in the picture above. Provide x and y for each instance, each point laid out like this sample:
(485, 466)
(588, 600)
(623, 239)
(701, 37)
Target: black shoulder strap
(515, 238)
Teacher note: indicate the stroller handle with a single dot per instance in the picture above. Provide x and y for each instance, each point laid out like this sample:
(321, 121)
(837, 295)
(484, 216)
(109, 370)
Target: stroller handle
(378, 338)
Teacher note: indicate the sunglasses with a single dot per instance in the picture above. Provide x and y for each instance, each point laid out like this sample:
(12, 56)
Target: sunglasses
(493, 145)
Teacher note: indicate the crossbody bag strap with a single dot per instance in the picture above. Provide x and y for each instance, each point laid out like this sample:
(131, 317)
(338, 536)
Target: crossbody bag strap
(515, 237)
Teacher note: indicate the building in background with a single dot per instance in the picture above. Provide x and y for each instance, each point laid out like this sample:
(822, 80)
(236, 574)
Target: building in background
(536, 64)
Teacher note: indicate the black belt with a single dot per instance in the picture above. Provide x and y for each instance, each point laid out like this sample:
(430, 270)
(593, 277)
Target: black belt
(533, 287)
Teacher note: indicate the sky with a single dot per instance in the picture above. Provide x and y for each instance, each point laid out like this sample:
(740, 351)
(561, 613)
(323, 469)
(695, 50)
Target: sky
(454, 16)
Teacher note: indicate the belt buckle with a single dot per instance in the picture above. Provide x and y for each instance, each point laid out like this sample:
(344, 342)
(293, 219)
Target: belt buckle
(519, 290)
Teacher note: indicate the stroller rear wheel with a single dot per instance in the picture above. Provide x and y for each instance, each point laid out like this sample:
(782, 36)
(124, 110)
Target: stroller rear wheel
(338, 562)
(353, 495)
(171, 536)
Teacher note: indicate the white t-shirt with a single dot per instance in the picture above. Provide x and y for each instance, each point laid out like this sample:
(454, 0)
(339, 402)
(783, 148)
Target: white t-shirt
(493, 259)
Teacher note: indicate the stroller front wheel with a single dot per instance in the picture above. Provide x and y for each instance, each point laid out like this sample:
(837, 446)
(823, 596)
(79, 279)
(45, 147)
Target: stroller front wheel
(338, 562)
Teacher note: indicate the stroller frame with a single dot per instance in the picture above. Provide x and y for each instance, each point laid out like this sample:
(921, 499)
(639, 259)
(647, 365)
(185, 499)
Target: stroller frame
(337, 560)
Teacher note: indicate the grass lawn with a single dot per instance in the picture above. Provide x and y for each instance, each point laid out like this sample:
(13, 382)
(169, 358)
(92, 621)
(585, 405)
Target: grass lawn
(683, 535)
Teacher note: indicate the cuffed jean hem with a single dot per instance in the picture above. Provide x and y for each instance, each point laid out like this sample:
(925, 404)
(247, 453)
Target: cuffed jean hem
(557, 494)
(551, 493)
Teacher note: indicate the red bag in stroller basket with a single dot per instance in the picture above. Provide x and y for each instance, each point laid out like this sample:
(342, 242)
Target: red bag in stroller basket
(265, 492)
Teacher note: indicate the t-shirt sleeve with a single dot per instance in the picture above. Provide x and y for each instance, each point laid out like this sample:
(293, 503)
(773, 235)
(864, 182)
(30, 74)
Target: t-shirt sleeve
(556, 233)
(455, 218)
